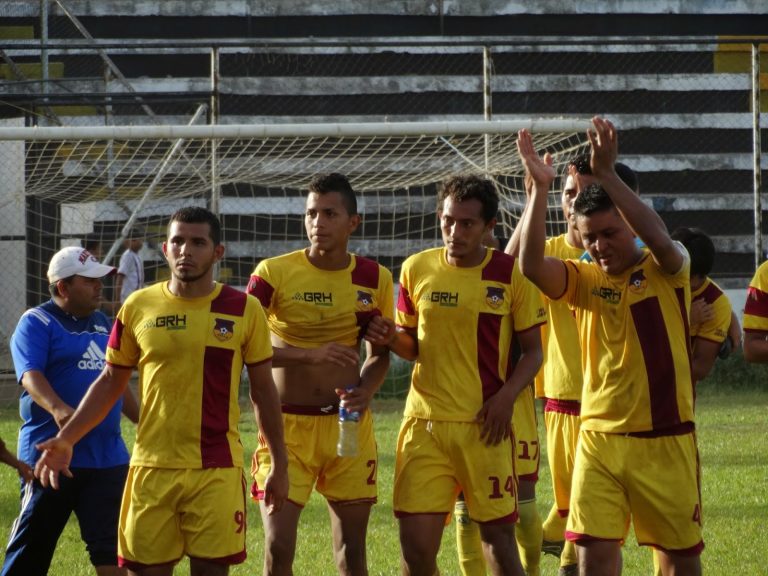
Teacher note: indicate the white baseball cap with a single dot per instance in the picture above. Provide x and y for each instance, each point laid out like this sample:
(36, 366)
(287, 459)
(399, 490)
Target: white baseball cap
(73, 260)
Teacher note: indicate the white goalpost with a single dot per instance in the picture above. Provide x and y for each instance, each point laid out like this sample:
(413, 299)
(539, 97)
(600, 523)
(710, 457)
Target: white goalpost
(90, 185)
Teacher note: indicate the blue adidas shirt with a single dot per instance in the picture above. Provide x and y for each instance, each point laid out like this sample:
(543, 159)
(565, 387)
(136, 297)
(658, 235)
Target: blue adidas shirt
(69, 351)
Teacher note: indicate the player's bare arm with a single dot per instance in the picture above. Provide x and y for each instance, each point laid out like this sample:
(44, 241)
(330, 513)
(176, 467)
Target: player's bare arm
(756, 346)
(7, 457)
(307, 383)
(548, 274)
(96, 404)
(703, 355)
(513, 246)
(402, 341)
(643, 220)
(372, 374)
(38, 387)
(496, 413)
(266, 409)
(130, 405)
(329, 353)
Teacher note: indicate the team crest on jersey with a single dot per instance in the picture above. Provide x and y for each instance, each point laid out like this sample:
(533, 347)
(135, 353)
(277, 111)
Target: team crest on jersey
(224, 329)
(364, 301)
(638, 282)
(494, 296)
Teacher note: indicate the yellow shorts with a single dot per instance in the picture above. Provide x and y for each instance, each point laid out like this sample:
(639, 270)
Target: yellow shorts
(653, 481)
(167, 513)
(437, 460)
(526, 436)
(312, 461)
(562, 421)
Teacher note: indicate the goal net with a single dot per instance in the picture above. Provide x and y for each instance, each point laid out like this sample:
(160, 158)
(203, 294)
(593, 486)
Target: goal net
(92, 186)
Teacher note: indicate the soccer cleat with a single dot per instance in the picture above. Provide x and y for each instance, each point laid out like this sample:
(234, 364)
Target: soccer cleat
(570, 570)
(554, 548)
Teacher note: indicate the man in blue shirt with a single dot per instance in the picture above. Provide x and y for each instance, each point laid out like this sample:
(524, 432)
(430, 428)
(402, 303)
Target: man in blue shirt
(58, 350)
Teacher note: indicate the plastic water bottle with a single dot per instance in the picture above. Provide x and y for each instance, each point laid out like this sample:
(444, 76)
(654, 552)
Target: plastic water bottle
(348, 424)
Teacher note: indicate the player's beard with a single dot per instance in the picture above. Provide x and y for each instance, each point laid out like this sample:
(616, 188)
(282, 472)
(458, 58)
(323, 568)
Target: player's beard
(189, 276)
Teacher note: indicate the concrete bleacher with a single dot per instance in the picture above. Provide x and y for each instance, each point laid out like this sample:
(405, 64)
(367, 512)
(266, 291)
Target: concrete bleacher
(683, 108)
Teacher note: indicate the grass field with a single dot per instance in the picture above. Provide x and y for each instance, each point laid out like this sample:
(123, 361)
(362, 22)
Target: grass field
(734, 454)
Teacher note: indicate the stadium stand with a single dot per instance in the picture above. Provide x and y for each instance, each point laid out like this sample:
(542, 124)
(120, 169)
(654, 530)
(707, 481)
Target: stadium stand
(669, 74)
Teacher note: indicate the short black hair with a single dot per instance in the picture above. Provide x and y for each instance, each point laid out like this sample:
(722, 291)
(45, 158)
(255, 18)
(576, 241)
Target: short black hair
(335, 182)
(592, 199)
(470, 186)
(198, 215)
(582, 165)
(699, 246)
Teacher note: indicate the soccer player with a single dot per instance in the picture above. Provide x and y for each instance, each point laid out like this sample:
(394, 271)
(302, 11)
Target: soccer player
(636, 456)
(560, 380)
(711, 326)
(190, 338)
(528, 532)
(319, 301)
(58, 349)
(756, 317)
(459, 310)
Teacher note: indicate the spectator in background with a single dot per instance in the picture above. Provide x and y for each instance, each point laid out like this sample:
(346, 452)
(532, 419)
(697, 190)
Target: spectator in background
(58, 350)
(130, 271)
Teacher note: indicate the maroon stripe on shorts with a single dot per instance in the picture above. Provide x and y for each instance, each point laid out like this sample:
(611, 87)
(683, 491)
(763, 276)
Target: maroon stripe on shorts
(214, 425)
(659, 363)
(327, 410)
(572, 407)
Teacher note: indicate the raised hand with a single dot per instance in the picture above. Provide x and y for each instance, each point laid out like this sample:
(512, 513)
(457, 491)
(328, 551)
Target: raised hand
(539, 169)
(604, 140)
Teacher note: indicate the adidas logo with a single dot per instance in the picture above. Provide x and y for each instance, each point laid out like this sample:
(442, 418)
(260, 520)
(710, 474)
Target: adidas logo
(93, 358)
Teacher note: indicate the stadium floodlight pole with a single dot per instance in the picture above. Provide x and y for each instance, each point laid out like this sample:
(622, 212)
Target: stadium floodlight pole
(151, 188)
(756, 153)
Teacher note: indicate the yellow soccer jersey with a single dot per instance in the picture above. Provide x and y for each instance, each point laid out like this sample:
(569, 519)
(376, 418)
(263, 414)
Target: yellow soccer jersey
(308, 307)
(635, 341)
(190, 354)
(466, 320)
(560, 374)
(756, 306)
(715, 329)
